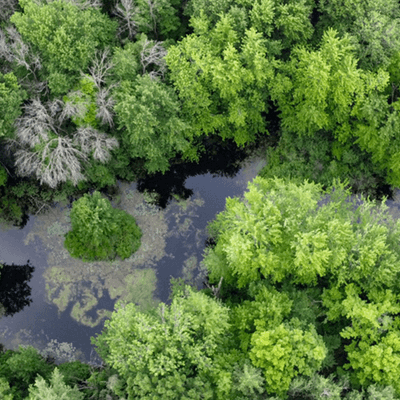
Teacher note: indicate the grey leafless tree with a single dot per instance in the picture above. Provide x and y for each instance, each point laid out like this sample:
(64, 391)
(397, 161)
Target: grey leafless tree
(77, 106)
(153, 53)
(101, 65)
(91, 140)
(59, 161)
(42, 147)
(105, 106)
(7, 8)
(15, 50)
(35, 124)
(126, 11)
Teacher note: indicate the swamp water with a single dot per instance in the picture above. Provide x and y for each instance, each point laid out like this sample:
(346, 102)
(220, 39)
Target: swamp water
(71, 299)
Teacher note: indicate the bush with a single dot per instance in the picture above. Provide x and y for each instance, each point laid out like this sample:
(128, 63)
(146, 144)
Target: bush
(100, 232)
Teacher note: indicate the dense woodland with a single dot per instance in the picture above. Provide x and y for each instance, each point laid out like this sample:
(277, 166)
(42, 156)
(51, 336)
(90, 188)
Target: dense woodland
(302, 297)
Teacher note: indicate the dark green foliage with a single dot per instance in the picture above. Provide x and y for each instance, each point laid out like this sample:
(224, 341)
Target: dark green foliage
(151, 127)
(11, 98)
(74, 372)
(321, 159)
(100, 232)
(20, 369)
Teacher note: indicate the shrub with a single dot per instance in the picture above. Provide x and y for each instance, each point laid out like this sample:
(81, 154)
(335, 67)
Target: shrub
(100, 232)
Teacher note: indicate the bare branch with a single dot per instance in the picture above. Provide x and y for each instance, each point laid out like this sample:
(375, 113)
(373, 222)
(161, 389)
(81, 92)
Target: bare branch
(55, 106)
(7, 8)
(105, 104)
(75, 107)
(126, 11)
(5, 51)
(35, 124)
(60, 163)
(91, 140)
(153, 53)
(101, 66)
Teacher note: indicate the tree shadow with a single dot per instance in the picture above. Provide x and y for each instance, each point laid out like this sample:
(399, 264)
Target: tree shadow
(14, 289)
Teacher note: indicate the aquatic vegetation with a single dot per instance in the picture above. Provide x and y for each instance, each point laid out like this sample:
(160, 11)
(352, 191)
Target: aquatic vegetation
(72, 281)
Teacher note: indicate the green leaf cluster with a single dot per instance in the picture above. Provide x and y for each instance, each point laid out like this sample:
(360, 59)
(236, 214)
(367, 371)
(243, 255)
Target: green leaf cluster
(172, 353)
(66, 37)
(11, 98)
(100, 232)
(289, 247)
(151, 127)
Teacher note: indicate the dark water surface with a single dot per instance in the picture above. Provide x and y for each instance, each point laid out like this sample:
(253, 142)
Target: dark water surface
(180, 236)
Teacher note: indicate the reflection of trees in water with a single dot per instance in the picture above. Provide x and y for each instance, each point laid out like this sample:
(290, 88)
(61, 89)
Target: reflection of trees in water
(220, 159)
(14, 289)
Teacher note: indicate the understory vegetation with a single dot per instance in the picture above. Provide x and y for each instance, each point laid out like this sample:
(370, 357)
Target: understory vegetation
(302, 299)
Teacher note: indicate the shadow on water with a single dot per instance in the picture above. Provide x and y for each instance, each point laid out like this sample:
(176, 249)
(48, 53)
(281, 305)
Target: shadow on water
(14, 289)
(220, 159)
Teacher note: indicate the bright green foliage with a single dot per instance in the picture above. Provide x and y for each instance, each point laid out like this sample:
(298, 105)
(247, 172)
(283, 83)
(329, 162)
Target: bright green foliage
(341, 255)
(373, 24)
(126, 63)
(100, 232)
(222, 79)
(11, 97)
(20, 369)
(149, 116)
(57, 390)
(172, 353)
(283, 23)
(285, 352)
(5, 393)
(83, 96)
(66, 36)
(318, 88)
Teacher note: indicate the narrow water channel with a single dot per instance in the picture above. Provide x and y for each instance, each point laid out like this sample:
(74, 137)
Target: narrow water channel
(72, 299)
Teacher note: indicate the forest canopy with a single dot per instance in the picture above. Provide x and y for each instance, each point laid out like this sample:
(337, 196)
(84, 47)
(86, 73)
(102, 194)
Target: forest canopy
(302, 299)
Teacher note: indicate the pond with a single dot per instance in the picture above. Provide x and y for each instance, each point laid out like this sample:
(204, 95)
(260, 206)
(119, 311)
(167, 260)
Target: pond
(71, 299)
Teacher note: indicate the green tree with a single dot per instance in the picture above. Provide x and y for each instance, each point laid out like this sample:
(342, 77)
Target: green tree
(222, 79)
(20, 369)
(11, 98)
(100, 232)
(57, 390)
(317, 248)
(175, 352)
(148, 114)
(316, 89)
(372, 25)
(66, 36)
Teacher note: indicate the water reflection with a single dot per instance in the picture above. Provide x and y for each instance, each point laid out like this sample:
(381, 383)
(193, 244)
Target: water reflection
(14, 289)
(71, 299)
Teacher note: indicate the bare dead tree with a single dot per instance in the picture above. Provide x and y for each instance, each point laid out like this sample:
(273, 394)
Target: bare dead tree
(126, 11)
(91, 140)
(105, 106)
(152, 11)
(62, 162)
(35, 124)
(7, 8)
(101, 66)
(15, 50)
(153, 53)
(5, 50)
